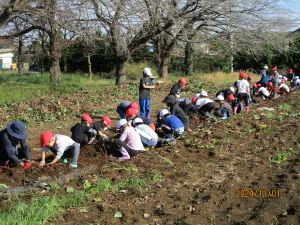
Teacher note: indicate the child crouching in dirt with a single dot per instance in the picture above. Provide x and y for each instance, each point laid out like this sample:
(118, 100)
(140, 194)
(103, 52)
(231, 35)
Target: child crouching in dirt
(123, 106)
(148, 136)
(101, 126)
(204, 106)
(62, 146)
(170, 126)
(224, 111)
(129, 144)
(132, 113)
(82, 133)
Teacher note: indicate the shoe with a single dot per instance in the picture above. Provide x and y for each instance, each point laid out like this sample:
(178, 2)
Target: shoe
(63, 160)
(123, 158)
(73, 165)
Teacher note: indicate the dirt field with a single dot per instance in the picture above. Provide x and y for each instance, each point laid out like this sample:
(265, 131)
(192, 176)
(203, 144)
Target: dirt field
(241, 171)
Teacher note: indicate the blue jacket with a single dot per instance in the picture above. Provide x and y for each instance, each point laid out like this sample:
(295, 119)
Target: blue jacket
(173, 122)
(264, 78)
(8, 149)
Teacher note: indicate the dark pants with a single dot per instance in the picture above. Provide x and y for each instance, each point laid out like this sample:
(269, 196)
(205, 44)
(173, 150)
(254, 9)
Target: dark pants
(120, 144)
(121, 111)
(241, 97)
(186, 107)
(209, 107)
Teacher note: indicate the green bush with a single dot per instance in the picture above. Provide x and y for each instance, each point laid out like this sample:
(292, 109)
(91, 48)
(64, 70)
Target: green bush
(134, 71)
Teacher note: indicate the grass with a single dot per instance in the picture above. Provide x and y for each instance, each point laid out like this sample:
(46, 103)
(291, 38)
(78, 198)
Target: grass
(44, 208)
(16, 88)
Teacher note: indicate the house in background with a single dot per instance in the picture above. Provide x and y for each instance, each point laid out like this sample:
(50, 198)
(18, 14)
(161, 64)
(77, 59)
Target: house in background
(6, 56)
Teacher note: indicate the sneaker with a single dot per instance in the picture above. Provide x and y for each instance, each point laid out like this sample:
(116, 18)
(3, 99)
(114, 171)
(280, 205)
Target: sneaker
(123, 158)
(73, 165)
(63, 160)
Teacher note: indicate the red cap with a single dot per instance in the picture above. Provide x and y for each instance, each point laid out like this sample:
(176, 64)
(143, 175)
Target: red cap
(106, 120)
(290, 71)
(250, 77)
(131, 112)
(45, 137)
(86, 117)
(274, 68)
(133, 105)
(243, 75)
(194, 99)
(183, 81)
(258, 85)
(230, 98)
(255, 86)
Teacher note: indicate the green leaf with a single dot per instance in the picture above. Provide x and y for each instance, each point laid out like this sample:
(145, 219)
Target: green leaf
(70, 190)
(118, 215)
(86, 185)
(3, 186)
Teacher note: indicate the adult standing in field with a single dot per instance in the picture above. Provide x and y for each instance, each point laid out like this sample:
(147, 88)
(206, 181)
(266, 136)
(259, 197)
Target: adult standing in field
(146, 84)
(13, 135)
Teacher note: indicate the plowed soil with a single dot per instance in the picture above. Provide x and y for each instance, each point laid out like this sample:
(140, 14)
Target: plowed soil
(220, 172)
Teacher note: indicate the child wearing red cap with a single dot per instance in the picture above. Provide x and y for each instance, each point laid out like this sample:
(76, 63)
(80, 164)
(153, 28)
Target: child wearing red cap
(243, 92)
(123, 106)
(276, 80)
(82, 132)
(62, 146)
(178, 87)
(101, 126)
(290, 75)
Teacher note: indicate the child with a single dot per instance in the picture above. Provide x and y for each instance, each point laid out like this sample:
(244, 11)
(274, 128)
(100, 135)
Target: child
(148, 136)
(283, 89)
(252, 89)
(185, 104)
(101, 126)
(123, 106)
(129, 144)
(204, 105)
(226, 92)
(132, 113)
(295, 81)
(290, 75)
(225, 110)
(170, 101)
(169, 124)
(243, 92)
(62, 146)
(178, 87)
(146, 84)
(82, 133)
(10, 138)
(264, 77)
(276, 81)
(263, 92)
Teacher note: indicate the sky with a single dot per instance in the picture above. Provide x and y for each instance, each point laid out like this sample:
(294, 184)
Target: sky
(292, 9)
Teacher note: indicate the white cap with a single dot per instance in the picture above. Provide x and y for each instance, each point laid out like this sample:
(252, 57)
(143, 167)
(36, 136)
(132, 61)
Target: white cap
(197, 95)
(137, 120)
(203, 94)
(285, 78)
(163, 112)
(147, 71)
(220, 98)
(121, 123)
(266, 67)
(296, 77)
(232, 89)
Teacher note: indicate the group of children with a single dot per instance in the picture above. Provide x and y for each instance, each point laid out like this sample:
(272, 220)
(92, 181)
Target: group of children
(135, 129)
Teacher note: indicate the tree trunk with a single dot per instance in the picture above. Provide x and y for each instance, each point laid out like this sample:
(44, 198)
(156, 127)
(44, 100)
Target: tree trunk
(164, 65)
(188, 58)
(120, 72)
(20, 56)
(65, 64)
(54, 60)
(231, 52)
(90, 66)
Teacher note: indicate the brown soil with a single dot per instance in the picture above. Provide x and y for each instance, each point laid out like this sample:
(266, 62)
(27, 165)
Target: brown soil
(202, 175)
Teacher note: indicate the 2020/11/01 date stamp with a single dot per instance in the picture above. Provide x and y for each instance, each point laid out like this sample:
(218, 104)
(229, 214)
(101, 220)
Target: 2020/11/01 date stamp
(257, 193)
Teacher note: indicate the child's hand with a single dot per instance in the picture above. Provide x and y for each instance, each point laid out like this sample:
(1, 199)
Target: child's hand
(42, 163)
